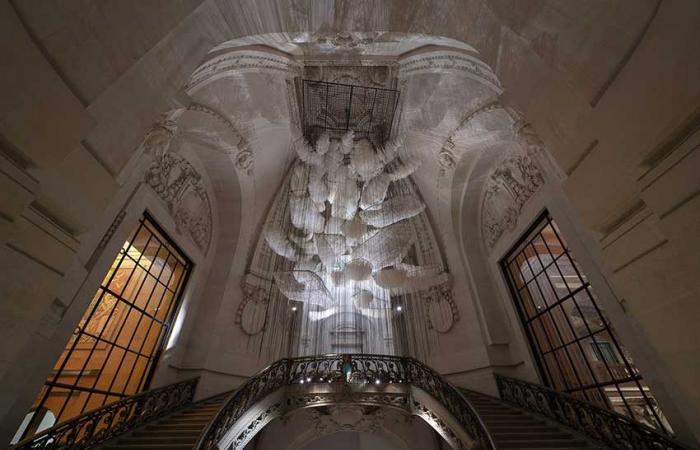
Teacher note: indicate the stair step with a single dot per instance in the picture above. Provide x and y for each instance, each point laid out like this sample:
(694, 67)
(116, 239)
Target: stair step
(515, 414)
(193, 415)
(148, 447)
(542, 444)
(543, 435)
(157, 439)
(171, 427)
(506, 421)
(495, 429)
(188, 420)
(173, 433)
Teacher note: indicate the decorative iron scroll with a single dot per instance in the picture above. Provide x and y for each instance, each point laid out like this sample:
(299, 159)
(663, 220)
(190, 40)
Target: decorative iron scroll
(612, 429)
(349, 369)
(99, 425)
(337, 108)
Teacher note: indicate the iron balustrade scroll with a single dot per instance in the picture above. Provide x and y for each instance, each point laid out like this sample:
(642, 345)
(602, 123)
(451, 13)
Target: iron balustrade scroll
(345, 368)
(104, 423)
(612, 429)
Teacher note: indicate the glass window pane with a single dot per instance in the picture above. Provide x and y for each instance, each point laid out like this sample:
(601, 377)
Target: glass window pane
(539, 335)
(550, 238)
(577, 346)
(159, 302)
(550, 330)
(175, 279)
(96, 355)
(544, 290)
(562, 324)
(528, 303)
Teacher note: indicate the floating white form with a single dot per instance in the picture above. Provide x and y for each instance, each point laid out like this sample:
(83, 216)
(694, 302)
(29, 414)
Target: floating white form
(393, 210)
(349, 230)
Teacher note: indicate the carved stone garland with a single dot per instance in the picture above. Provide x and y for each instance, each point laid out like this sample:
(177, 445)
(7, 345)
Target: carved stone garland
(507, 189)
(179, 186)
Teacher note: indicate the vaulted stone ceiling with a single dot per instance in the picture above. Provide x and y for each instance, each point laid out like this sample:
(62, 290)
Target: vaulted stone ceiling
(249, 85)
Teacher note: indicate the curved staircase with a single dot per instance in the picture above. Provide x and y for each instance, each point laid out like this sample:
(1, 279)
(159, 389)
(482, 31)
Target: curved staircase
(530, 416)
(177, 431)
(514, 428)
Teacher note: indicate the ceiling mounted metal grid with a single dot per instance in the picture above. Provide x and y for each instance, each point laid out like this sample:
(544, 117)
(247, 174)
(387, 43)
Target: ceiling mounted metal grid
(337, 108)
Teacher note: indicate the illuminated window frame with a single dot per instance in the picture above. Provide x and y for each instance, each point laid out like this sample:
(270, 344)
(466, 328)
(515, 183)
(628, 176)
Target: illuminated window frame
(138, 357)
(566, 328)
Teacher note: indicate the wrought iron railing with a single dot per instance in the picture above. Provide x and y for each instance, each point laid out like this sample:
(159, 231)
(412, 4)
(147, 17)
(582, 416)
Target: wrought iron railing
(612, 429)
(99, 425)
(349, 369)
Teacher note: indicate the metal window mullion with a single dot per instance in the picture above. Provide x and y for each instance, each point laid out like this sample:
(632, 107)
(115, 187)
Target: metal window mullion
(532, 335)
(137, 308)
(544, 267)
(85, 389)
(585, 322)
(130, 307)
(568, 322)
(554, 323)
(110, 343)
(572, 295)
(42, 402)
(577, 340)
(609, 383)
(150, 325)
(148, 271)
(533, 231)
(167, 319)
(558, 301)
(136, 327)
(531, 302)
(109, 318)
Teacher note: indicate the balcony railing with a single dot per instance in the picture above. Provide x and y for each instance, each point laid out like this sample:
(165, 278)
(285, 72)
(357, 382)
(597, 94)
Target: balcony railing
(347, 370)
(614, 430)
(99, 425)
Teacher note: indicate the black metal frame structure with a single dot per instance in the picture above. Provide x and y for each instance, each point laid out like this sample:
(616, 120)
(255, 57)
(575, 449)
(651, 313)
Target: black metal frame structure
(337, 108)
(565, 327)
(127, 323)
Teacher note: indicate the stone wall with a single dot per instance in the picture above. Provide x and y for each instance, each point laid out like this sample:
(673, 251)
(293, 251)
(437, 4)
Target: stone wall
(616, 106)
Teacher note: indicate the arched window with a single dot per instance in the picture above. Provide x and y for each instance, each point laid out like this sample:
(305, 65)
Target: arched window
(574, 344)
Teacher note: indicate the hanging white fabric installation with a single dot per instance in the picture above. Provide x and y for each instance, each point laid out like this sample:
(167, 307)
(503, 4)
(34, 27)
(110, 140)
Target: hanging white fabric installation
(365, 234)
(349, 247)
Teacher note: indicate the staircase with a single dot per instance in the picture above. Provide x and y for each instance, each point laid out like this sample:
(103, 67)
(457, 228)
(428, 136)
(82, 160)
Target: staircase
(514, 428)
(178, 431)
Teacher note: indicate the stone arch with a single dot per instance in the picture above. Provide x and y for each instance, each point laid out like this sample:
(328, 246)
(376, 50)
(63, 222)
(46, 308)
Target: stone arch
(296, 430)
(213, 147)
(406, 399)
(488, 157)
